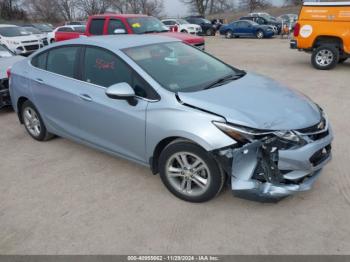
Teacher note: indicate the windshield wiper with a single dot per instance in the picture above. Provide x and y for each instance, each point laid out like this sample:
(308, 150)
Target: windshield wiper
(225, 79)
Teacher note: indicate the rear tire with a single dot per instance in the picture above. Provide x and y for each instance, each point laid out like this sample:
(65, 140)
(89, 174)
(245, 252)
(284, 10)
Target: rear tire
(33, 122)
(325, 57)
(189, 172)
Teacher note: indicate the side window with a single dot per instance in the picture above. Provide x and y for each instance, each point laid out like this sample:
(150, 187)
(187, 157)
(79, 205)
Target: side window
(103, 68)
(166, 22)
(62, 60)
(96, 26)
(115, 24)
(39, 61)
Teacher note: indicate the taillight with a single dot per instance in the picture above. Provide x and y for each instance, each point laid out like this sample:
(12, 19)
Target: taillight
(8, 72)
(296, 29)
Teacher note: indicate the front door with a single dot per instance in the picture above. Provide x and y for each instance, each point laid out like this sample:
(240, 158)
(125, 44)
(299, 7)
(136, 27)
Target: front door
(114, 125)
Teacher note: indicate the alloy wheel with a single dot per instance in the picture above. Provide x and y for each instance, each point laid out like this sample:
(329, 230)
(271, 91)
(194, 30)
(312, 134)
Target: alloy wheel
(324, 57)
(32, 122)
(188, 174)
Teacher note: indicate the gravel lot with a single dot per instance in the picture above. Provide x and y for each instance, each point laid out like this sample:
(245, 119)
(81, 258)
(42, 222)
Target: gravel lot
(63, 198)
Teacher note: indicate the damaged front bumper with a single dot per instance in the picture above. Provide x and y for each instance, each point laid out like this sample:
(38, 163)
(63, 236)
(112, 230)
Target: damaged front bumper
(264, 171)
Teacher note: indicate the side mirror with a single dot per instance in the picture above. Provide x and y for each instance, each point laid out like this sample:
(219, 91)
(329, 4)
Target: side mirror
(119, 31)
(122, 91)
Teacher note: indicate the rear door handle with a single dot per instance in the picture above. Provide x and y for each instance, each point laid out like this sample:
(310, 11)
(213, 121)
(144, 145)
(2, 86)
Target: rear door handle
(86, 97)
(39, 80)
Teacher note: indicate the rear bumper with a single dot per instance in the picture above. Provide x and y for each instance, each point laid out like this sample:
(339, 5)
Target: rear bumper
(293, 44)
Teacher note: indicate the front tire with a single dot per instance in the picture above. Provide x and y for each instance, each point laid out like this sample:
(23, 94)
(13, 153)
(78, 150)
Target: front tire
(33, 122)
(325, 57)
(190, 172)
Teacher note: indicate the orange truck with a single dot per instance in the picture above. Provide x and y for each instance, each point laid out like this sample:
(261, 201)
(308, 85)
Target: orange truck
(323, 29)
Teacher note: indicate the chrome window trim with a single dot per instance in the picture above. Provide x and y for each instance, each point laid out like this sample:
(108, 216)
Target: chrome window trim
(94, 85)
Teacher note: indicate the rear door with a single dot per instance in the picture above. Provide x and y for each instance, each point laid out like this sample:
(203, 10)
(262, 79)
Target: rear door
(55, 89)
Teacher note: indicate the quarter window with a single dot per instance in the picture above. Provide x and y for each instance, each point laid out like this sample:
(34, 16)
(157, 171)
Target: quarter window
(62, 61)
(96, 27)
(39, 61)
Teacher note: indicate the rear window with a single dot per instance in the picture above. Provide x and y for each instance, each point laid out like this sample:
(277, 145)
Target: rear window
(39, 61)
(96, 26)
(62, 60)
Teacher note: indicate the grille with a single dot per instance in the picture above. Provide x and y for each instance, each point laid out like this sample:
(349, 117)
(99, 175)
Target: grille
(32, 47)
(30, 41)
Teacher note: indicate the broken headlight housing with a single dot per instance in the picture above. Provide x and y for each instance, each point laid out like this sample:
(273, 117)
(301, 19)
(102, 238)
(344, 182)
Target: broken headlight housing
(282, 139)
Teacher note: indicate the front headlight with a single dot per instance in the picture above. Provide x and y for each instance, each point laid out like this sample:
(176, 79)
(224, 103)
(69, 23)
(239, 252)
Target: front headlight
(245, 134)
(288, 135)
(239, 133)
(12, 42)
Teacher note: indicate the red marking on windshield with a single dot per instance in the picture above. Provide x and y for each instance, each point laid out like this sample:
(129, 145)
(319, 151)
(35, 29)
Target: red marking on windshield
(104, 65)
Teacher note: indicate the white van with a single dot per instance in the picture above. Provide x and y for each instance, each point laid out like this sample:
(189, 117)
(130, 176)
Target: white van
(18, 40)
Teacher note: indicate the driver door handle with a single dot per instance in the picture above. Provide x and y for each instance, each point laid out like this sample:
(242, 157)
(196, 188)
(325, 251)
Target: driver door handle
(86, 97)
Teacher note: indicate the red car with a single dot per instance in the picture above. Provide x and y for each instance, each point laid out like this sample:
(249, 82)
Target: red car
(114, 24)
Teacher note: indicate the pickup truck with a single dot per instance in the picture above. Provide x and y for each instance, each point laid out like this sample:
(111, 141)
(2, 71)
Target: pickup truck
(114, 24)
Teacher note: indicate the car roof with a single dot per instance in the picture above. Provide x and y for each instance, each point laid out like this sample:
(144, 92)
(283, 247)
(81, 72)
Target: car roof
(118, 42)
(119, 15)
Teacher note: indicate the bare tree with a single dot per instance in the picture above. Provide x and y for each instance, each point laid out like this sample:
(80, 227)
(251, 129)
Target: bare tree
(149, 7)
(47, 10)
(93, 7)
(200, 6)
(11, 9)
(67, 9)
(203, 7)
(253, 5)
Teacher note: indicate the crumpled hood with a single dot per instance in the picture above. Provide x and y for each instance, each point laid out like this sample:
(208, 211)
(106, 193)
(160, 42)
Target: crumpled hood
(257, 102)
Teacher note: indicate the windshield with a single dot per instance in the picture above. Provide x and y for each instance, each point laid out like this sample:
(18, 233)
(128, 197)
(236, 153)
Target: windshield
(44, 28)
(179, 67)
(182, 22)
(4, 52)
(13, 31)
(206, 21)
(32, 30)
(142, 25)
(80, 29)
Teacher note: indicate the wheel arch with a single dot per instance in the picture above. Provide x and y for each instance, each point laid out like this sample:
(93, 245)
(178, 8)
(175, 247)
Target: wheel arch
(328, 40)
(21, 100)
(153, 161)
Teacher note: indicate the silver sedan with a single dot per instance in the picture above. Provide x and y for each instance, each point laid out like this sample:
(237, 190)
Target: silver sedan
(198, 122)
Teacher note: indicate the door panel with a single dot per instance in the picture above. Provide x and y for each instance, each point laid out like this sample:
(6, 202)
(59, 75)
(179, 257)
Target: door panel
(55, 91)
(113, 124)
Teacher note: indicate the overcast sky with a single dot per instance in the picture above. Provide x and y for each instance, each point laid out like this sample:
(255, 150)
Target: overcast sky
(176, 8)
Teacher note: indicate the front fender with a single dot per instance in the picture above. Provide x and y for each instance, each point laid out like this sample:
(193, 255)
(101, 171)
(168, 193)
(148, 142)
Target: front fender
(185, 122)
